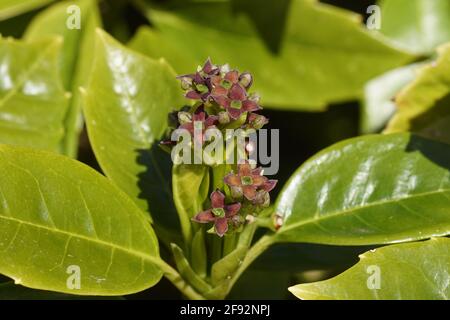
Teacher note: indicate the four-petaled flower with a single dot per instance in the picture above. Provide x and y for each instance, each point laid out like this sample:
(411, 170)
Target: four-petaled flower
(220, 213)
(236, 101)
(198, 85)
(248, 181)
(201, 123)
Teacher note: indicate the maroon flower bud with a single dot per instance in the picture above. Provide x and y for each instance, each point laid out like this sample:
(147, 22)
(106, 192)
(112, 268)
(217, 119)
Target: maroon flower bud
(246, 80)
(220, 214)
(262, 199)
(224, 117)
(256, 121)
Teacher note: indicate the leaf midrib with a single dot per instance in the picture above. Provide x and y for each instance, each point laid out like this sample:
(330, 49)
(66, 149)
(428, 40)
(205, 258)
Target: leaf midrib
(356, 208)
(133, 252)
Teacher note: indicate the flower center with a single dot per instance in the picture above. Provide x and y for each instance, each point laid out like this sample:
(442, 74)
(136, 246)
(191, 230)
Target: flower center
(225, 83)
(218, 212)
(236, 104)
(202, 88)
(246, 181)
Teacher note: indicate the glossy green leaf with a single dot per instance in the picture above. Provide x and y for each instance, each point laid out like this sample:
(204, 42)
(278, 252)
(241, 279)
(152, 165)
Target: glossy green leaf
(11, 8)
(11, 291)
(378, 106)
(410, 271)
(369, 190)
(424, 105)
(58, 215)
(417, 25)
(314, 65)
(77, 55)
(33, 102)
(126, 104)
(190, 184)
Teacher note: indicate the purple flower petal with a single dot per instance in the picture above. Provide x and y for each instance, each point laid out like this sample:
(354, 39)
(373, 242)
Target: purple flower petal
(249, 105)
(193, 95)
(217, 199)
(237, 93)
(208, 66)
(249, 192)
(204, 217)
(221, 226)
(232, 180)
(234, 113)
(232, 76)
(232, 209)
(269, 185)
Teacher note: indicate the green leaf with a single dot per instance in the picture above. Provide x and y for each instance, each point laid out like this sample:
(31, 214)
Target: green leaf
(10, 291)
(424, 105)
(417, 25)
(126, 104)
(76, 59)
(66, 214)
(314, 66)
(410, 271)
(190, 185)
(369, 190)
(11, 8)
(378, 105)
(33, 102)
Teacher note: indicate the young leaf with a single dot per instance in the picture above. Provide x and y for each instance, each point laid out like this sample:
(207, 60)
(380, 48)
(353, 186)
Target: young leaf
(126, 105)
(369, 190)
(11, 8)
(417, 25)
(77, 54)
(378, 106)
(410, 271)
(294, 76)
(33, 102)
(424, 105)
(188, 194)
(66, 228)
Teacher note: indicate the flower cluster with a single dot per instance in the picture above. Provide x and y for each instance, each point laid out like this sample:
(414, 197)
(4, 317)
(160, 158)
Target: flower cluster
(221, 100)
(224, 89)
(249, 189)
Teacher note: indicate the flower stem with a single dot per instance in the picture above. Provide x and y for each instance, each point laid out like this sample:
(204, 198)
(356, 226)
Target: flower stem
(173, 276)
(255, 251)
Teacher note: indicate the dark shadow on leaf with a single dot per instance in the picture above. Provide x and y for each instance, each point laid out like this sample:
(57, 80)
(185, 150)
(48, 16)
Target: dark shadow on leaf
(269, 18)
(435, 151)
(155, 186)
(435, 122)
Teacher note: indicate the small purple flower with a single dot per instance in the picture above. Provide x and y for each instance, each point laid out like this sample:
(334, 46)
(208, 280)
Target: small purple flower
(256, 121)
(220, 214)
(248, 181)
(236, 101)
(198, 84)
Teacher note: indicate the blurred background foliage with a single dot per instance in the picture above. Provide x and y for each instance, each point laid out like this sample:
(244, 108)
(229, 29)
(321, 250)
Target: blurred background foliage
(322, 75)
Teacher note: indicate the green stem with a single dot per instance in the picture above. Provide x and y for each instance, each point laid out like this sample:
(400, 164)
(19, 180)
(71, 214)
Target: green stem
(229, 244)
(173, 276)
(255, 251)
